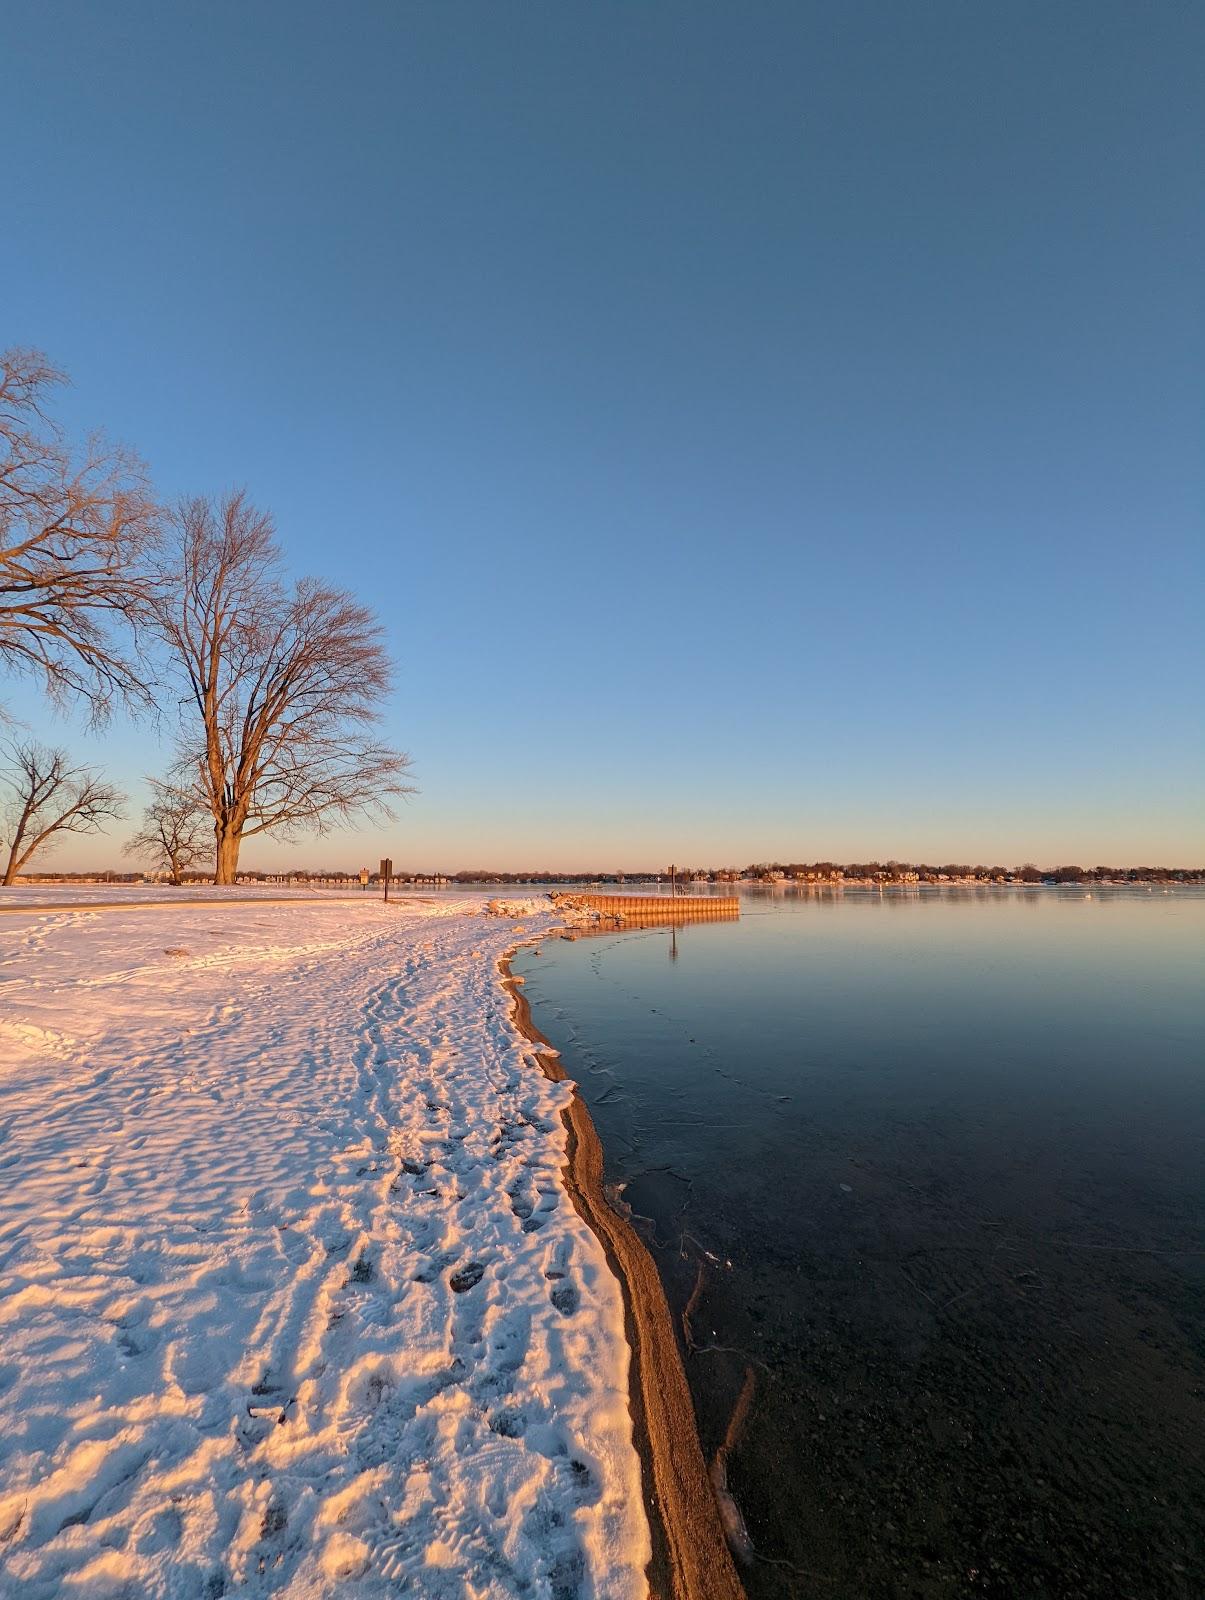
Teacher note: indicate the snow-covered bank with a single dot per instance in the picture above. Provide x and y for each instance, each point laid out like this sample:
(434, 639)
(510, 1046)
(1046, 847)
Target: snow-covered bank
(292, 1299)
(161, 894)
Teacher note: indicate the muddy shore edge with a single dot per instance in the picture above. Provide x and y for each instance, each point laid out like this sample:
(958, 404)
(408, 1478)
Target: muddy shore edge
(691, 1559)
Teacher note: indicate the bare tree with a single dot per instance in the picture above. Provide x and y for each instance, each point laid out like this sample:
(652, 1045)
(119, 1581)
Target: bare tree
(48, 797)
(173, 833)
(283, 683)
(75, 531)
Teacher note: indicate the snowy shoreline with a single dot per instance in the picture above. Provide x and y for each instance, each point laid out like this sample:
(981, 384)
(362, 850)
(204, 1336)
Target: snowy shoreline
(691, 1558)
(292, 1296)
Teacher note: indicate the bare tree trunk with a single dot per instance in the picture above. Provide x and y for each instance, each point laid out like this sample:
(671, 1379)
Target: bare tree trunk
(10, 871)
(226, 861)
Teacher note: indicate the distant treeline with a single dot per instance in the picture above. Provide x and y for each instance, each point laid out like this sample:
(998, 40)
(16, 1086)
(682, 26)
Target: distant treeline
(756, 872)
(856, 871)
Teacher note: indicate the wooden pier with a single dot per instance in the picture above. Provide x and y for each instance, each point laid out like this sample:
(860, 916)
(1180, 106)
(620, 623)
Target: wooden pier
(657, 907)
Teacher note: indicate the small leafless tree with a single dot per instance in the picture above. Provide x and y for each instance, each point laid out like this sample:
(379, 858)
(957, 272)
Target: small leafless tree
(174, 832)
(48, 797)
(75, 530)
(284, 684)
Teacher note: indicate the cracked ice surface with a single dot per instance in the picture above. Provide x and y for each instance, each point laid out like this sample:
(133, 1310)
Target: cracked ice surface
(292, 1298)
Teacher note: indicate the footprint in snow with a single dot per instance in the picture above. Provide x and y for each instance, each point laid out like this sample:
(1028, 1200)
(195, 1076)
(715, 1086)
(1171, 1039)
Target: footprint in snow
(274, 1519)
(509, 1423)
(557, 1261)
(467, 1278)
(564, 1293)
(565, 1298)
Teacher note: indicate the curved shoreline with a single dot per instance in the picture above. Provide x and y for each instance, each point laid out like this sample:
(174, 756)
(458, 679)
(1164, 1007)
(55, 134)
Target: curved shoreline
(691, 1559)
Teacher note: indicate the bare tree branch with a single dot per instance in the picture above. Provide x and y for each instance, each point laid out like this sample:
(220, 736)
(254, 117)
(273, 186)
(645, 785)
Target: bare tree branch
(175, 833)
(76, 528)
(284, 684)
(47, 797)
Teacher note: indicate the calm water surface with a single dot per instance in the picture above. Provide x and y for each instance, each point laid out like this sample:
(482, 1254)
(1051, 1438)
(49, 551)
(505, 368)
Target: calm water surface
(931, 1168)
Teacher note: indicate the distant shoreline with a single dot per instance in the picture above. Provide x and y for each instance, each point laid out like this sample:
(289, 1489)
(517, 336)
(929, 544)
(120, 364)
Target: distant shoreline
(816, 876)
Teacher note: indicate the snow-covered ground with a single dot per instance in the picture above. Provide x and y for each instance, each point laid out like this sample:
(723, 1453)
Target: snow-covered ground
(292, 1298)
(162, 894)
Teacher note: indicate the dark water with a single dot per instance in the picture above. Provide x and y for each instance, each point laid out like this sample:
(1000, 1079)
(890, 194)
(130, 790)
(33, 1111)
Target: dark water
(931, 1168)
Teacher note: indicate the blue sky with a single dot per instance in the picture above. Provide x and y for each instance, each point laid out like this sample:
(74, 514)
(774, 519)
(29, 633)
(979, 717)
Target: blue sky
(767, 430)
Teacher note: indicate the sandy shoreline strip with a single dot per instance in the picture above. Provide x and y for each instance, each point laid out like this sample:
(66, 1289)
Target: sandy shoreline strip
(691, 1559)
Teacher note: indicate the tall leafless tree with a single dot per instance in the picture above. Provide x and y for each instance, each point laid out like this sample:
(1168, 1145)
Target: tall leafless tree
(284, 684)
(48, 797)
(174, 831)
(76, 527)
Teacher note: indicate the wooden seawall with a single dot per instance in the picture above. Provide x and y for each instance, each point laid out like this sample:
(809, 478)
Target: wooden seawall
(657, 907)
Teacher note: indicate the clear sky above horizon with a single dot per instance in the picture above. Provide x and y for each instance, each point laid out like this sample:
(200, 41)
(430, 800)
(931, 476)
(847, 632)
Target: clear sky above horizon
(768, 431)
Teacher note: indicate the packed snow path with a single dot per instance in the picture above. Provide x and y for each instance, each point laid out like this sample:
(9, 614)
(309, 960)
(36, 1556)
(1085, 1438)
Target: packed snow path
(292, 1298)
